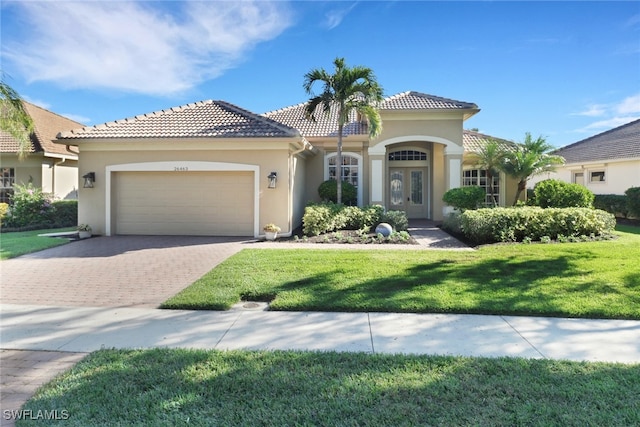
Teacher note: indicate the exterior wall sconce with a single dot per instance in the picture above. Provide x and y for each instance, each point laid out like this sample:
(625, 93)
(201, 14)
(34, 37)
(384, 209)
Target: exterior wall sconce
(273, 178)
(89, 179)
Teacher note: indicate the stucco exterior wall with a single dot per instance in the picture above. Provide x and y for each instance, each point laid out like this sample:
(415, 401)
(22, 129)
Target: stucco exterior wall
(268, 156)
(619, 175)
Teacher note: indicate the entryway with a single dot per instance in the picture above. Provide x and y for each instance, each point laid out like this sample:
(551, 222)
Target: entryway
(408, 191)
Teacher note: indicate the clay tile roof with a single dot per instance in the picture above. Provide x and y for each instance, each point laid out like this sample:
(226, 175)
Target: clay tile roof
(474, 141)
(204, 119)
(327, 125)
(323, 125)
(619, 143)
(421, 101)
(46, 126)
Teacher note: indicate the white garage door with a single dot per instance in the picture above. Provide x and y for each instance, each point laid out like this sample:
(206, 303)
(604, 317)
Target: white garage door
(184, 203)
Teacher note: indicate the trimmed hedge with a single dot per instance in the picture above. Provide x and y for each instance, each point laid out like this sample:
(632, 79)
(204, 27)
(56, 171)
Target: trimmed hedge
(326, 217)
(552, 193)
(612, 203)
(633, 201)
(534, 223)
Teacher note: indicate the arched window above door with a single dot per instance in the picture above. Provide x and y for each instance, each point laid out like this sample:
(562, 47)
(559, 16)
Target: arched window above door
(407, 155)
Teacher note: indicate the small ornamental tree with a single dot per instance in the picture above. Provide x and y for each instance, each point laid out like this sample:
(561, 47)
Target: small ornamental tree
(465, 198)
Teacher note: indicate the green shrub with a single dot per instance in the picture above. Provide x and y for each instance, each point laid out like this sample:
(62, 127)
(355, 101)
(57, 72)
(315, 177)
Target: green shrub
(328, 192)
(633, 201)
(65, 213)
(396, 219)
(612, 203)
(465, 198)
(4, 208)
(326, 217)
(552, 193)
(30, 207)
(515, 224)
(452, 223)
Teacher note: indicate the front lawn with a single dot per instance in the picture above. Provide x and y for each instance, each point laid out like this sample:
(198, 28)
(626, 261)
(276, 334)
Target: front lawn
(24, 242)
(164, 387)
(592, 279)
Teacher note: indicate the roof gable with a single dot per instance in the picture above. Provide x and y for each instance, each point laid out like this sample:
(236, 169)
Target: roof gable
(619, 143)
(326, 125)
(473, 142)
(204, 119)
(46, 126)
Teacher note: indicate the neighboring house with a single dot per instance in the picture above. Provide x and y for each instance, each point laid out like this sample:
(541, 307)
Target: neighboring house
(204, 168)
(607, 163)
(48, 166)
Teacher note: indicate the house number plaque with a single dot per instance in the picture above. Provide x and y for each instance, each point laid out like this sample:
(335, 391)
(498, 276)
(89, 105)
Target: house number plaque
(180, 168)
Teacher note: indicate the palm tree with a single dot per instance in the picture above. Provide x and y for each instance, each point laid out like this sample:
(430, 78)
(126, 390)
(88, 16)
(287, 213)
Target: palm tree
(529, 159)
(490, 159)
(14, 119)
(347, 89)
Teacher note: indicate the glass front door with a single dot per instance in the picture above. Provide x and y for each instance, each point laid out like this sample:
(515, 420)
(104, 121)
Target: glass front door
(407, 191)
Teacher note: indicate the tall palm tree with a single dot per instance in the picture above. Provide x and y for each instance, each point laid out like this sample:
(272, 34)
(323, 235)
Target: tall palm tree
(490, 159)
(530, 158)
(347, 89)
(14, 119)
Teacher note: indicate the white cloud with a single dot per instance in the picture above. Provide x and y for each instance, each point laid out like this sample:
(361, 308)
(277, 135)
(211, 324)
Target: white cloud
(613, 115)
(334, 17)
(594, 110)
(156, 48)
(629, 105)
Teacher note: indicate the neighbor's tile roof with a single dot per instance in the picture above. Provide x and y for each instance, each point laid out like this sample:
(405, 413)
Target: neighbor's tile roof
(474, 141)
(327, 125)
(46, 126)
(618, 143)
(211, 119)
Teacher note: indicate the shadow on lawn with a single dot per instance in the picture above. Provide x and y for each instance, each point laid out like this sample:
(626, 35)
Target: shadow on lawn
(496, 286)
(177, 387)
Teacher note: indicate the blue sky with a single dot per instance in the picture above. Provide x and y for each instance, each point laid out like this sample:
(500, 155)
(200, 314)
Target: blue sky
(563, 70)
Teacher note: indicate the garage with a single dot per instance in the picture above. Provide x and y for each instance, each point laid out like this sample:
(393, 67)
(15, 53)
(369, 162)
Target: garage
(209, 203)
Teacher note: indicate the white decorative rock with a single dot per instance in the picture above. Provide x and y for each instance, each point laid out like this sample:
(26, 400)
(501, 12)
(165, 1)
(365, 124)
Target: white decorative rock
(384, 229)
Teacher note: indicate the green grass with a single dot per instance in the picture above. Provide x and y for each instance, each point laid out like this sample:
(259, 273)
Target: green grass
(592, 279)
(25, 242)
(164, 387)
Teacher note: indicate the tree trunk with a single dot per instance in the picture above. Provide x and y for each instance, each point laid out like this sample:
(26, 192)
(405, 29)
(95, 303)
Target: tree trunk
(339, 163)
(521, 187)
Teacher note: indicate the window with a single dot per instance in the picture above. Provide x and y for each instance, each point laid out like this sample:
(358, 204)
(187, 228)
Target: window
(351, 170)
(407, 155)
(7, 181)
(478, 177)
(597, 176)
(578, 178)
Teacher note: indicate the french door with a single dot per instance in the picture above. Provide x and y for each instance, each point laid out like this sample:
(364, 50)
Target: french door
(408, 191)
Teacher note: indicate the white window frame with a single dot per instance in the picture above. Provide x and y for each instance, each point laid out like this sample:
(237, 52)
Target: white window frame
(11, 180)
(598, 171)
(358, 157)
(501, 181)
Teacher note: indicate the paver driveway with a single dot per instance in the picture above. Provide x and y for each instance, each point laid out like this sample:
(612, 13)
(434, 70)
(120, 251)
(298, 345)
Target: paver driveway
(132, 271)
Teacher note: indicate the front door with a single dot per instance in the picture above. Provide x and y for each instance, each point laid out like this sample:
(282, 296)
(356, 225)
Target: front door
(407, 191)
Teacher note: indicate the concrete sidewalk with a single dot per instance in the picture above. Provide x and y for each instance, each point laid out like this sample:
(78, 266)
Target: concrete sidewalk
(84, 329)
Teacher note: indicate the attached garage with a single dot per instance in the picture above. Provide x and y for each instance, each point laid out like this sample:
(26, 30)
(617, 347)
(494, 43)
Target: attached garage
(184, 203)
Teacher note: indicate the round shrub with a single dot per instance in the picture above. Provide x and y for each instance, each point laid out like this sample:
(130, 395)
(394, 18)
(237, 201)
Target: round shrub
(397, 219)
(465, 198)
(552, 193)
(328, 192)
(30, 207)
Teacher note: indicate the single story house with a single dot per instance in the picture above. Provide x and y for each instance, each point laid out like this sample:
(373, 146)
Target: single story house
(212, 168)
(607, 163)
(51, 167)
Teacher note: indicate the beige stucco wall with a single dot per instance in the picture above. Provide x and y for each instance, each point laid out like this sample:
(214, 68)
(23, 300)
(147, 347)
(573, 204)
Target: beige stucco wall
(267, 155)
(51, 174)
